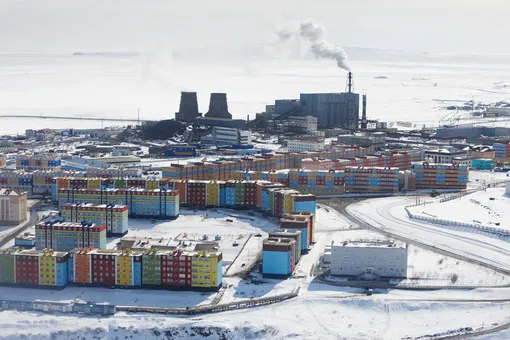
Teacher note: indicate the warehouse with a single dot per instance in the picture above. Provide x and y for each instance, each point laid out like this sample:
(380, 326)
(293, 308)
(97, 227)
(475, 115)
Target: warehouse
(368, 260)
(13, 207)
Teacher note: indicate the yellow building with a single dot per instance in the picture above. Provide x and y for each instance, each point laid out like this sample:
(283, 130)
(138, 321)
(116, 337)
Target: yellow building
(212, 194)
(13, 207)
(206, 269)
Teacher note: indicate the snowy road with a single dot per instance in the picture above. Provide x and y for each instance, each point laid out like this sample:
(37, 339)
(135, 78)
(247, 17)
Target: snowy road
(388, 215)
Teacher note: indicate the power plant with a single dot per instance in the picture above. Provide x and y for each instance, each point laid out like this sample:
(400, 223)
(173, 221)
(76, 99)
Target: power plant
(188, 109)
(218, 107)
(332, 110)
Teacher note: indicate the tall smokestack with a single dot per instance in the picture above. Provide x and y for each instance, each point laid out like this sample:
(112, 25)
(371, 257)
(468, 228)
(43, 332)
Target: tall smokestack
(188, 108)
(218, 107)
(364, 113)
(350, 84)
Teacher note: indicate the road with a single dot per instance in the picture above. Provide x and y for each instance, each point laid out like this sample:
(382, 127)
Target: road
(388, 217)
(20, 229)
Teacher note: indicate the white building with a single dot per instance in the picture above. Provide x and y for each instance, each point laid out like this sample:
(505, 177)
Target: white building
(368, 260)
(301, 123)
(13, 207)
(230, 136)
(305, 145)
(444, 156)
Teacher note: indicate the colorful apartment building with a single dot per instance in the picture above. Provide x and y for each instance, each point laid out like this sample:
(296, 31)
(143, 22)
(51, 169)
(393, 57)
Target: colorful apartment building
(224, 169)
(38, 162)
(114, 217)
(177, 268)
(140, 202)
(113, 172)
(302, 223)
(371, 179)
(13, 207)
(66, 236)
(33, 268)
(295, 235)
(3, 161)
(278, 257)
(440, 176)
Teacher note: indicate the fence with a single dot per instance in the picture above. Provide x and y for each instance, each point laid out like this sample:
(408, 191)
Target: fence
(474, 227)
(211, 308)
(59, 307)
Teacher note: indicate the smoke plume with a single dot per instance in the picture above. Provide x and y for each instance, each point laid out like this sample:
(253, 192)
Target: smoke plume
(315, 34)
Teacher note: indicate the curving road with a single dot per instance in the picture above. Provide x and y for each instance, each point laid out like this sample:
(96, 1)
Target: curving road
(387, 216)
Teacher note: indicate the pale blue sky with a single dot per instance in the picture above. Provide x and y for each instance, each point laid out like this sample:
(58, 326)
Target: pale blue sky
(455, 26)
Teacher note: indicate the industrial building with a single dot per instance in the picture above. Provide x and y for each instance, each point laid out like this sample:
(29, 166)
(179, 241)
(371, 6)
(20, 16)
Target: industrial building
(278, 257)
(114, 217)
(300, 124)
(65, 236)
(376, 139)
(140, 202)
(480, 151)
(482, 164)
(180, 150)
(222, 122)
(332, 109)
(306, 144)
(368, 260)
(188, 108)
(443, 155)
(13, 207)
(218, 107)
(223, 136)
(471, 132)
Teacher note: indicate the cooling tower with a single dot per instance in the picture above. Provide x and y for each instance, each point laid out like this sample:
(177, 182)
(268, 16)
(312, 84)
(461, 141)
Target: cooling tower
(218, 107)
(188, 109)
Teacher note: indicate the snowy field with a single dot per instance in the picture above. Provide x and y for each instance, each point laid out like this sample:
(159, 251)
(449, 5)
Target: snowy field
(490, 208)
(416, 87)
(301, 318)
(429, 268)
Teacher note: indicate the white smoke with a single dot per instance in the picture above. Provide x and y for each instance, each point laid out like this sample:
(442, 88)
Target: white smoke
(315, 34)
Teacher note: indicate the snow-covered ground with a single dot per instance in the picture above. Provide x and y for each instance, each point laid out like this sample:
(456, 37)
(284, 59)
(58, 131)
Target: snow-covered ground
(300, 318)
(415, 87)
(388, 214)
(489, 208)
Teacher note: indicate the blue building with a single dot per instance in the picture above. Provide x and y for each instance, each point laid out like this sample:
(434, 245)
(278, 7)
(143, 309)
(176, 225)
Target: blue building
(482, 164)
(180, 151)
(278, 257)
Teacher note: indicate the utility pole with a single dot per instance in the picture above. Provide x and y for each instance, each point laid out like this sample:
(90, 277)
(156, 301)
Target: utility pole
(138, 116)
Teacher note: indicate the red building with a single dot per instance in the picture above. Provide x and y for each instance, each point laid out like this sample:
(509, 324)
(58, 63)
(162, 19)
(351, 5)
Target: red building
(176, 269)
(103, 267)
(27, 268)
(196, 193)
